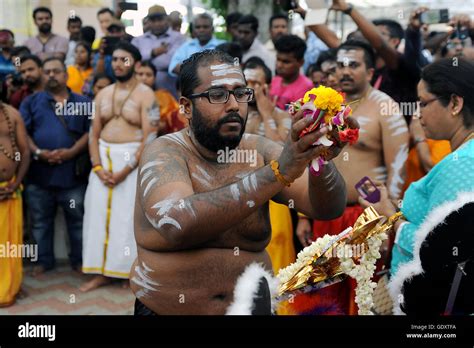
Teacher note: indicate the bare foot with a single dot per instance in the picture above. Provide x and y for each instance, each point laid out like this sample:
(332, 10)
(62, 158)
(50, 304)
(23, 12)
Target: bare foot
(125, 284)
(38, 270)
(94, 283)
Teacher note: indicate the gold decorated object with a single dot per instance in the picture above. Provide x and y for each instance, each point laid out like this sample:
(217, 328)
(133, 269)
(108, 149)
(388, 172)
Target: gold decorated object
(326, 266)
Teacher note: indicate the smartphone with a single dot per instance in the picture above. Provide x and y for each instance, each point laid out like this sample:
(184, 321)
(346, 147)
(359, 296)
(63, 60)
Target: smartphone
(367, 190)
(124, 6)
(435, 16)
(460, 33)
(110, 41)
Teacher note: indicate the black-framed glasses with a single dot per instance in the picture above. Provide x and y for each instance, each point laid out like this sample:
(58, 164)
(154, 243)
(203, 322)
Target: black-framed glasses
(424, 104)
(221, 95)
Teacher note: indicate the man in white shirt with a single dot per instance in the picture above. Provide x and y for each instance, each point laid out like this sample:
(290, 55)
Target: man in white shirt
(248, 31)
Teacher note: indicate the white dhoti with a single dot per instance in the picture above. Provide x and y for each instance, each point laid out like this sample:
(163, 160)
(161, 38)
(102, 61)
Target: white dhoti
(109, 246)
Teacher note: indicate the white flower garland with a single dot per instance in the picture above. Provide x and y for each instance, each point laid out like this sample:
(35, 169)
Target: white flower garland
(363, 273)
(305, 256)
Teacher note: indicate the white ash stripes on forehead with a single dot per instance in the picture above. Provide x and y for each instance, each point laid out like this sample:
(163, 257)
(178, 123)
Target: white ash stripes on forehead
(251, 74)
(228, 81)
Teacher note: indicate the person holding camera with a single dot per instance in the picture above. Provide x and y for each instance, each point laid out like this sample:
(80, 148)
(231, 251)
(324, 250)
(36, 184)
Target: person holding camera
(29, 81)
(102, 61)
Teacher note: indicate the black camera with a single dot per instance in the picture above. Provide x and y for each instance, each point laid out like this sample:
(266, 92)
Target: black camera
(17, 81)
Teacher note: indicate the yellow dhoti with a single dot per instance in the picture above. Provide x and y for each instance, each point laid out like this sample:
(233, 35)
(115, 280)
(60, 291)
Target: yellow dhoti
(11, 236)
(281, 248)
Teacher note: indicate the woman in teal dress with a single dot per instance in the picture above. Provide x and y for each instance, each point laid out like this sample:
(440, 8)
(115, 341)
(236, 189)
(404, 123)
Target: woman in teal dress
(446, 95)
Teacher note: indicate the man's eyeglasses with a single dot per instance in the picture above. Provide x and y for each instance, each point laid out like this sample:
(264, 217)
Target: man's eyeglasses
(221, 95)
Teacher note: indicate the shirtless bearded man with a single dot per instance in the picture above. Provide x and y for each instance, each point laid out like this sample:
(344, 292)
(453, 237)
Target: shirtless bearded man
(380, 153)
(14, 161)
(200, 221)
(126, 114)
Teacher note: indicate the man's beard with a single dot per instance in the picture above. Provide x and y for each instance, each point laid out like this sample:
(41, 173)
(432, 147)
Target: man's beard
(125, 77)
(31, 83)
(44, 28)
(209, 137)
(53, 86)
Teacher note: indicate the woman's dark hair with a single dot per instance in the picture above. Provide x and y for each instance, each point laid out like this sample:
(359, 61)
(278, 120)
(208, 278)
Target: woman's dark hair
(369, 54)
(452, 76)
(88, 48)
(149, 64)
(257, 62)
(291, 44)
(188, 77)
(128, 47)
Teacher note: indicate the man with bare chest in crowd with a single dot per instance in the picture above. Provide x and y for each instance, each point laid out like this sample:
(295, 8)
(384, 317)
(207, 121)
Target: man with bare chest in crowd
(14, 161)
(200, 217)
(126, 115)
(380, 153)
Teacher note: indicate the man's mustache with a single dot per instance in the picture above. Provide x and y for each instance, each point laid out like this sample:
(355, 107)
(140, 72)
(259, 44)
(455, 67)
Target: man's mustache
(345, 78)
(231, 117)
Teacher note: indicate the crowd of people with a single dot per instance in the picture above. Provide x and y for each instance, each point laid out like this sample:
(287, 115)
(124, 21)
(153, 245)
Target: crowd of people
(123, 133)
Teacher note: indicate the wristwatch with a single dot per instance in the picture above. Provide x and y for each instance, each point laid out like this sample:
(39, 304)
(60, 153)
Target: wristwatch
(36, 154)
(348, 10)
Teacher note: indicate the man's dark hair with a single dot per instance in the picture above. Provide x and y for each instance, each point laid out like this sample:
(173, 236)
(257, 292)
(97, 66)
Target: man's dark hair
(9, 32)
(105, 10)
(127, 46)
(233, 49)
(233, 18)
(188, 77)
(42, 9)
(87, 34)
(443, 79)
(328, 55)
(75, 19)
(312, 68)
(32, 57)
(278, 16)
(250, 19)
(20, 51)
(257, 62)
(99, 76)
(50, 59)
(149, 64)
(369, 54)
(291, 44)
(395, 29)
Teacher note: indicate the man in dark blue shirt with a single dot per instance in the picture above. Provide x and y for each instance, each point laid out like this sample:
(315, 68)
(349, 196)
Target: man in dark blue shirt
(57, 122)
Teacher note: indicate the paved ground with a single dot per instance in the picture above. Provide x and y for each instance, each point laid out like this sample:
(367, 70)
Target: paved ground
(56, 293)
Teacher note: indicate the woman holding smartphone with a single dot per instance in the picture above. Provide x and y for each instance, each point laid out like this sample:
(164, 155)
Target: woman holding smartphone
(435, 240)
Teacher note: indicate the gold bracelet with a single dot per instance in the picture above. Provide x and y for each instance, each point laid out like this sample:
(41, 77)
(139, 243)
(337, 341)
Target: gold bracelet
(301, 215)
(274, 165)
(96, 168)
